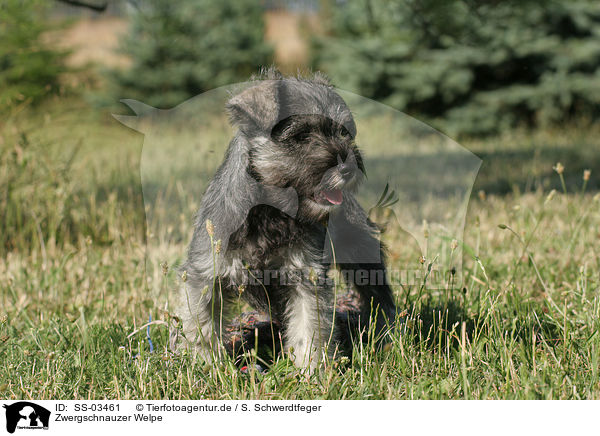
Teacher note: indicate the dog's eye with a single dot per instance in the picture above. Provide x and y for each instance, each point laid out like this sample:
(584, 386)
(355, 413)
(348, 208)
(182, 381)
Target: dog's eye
(344, 132)
(300, 136)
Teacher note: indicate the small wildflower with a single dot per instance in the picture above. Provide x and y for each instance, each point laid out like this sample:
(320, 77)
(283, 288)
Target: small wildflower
(453, 244)
(586, 175)
(205, 290)
(550, 196)
(184, 277)
(422, 260)
(165, 267)
(210, 228)
(88, 240)
(3, 319)
(312, 276)
(218, 246)
(481, 195)
(241, 288)
(559, 168)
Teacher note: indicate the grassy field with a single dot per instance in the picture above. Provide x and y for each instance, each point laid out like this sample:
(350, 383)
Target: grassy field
(75, 293)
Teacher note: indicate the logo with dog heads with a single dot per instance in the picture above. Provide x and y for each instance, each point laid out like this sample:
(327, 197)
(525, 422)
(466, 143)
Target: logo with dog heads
(26, 415)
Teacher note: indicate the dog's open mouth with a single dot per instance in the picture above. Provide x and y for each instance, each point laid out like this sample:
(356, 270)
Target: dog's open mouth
(330, 196)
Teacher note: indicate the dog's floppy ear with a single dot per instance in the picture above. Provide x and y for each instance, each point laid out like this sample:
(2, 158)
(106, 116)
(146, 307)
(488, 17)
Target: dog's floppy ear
(256, 108)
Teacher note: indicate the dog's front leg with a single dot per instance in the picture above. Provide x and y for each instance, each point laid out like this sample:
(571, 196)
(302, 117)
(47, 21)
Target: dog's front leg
(376, 297)
(200, 309)
(308, 324)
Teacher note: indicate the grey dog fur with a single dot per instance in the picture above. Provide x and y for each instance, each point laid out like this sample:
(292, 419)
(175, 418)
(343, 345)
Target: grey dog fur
(295, 138)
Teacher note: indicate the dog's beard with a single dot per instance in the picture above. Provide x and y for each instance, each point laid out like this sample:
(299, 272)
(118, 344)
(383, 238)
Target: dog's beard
(313, 209)
(328, 196)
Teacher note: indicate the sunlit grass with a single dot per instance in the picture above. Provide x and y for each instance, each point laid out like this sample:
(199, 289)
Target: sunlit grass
(75, 287)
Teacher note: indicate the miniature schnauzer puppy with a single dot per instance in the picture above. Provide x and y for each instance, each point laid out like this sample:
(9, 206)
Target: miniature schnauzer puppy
(278, 214)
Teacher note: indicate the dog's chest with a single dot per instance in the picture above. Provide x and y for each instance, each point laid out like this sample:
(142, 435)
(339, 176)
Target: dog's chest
(270, 238)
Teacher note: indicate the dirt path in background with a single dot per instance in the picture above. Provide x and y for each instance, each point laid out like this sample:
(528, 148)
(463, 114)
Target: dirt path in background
(290, 35)
(96, 40)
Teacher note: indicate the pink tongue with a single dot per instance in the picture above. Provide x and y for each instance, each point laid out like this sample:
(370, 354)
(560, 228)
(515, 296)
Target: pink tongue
(333, 196)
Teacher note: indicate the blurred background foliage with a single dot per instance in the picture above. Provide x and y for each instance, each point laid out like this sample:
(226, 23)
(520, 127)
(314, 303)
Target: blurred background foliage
(30, 65)
(469, 66)
(181, 49)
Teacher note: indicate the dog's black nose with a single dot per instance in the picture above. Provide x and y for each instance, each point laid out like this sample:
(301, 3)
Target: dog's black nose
(346, 170)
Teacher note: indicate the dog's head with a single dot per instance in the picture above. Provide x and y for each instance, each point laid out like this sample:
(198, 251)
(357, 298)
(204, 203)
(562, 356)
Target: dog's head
(301, 135)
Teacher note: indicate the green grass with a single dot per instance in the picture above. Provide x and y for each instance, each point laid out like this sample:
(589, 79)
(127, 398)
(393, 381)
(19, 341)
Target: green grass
(75, 290)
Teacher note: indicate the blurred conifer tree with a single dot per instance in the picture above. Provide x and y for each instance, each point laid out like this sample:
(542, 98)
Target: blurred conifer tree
(29, 65)
(182, 48)
(469, 66)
